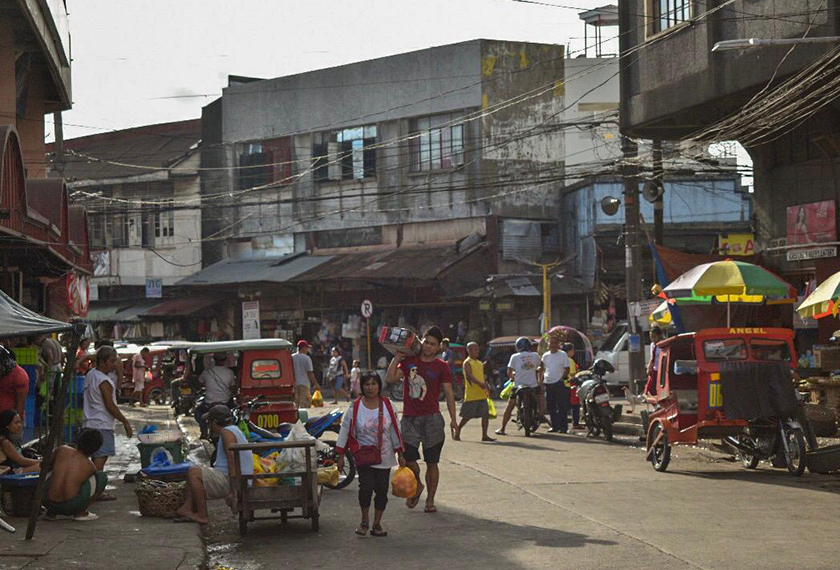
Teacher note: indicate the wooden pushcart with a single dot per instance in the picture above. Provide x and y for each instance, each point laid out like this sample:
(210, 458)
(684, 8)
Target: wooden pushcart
(280, 498)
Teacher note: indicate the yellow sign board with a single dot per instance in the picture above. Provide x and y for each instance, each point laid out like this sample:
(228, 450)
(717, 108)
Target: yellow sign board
(736, 244)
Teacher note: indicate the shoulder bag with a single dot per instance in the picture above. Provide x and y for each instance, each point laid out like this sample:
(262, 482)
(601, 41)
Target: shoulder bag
(368, 455)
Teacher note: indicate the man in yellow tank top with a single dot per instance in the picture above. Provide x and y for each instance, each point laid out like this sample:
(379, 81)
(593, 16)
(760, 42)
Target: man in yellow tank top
(476, 393)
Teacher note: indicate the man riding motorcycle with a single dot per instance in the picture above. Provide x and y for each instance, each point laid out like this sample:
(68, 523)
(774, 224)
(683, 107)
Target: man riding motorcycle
(525, 369)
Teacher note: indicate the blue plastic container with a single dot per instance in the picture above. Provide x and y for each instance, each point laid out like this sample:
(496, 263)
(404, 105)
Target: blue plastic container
(18, 493)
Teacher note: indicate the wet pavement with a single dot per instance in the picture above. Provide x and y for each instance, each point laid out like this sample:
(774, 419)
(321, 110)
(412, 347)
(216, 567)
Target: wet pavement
(562, 501)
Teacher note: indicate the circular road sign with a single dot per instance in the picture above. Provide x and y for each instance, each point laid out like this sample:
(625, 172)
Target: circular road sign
(367, 309)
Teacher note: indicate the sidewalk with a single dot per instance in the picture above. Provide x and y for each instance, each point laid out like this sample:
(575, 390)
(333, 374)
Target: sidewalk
(121, 538)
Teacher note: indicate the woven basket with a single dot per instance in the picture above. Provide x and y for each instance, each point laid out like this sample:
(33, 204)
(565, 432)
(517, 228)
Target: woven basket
(160, 499)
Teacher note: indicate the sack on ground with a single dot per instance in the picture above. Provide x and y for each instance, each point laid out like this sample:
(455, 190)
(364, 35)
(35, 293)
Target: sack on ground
(317, 399)
(506, 391)
(491, 407)
(404, 483)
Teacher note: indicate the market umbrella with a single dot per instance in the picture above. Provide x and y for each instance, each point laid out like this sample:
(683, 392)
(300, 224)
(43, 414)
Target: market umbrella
(731, 282)
(823, 301)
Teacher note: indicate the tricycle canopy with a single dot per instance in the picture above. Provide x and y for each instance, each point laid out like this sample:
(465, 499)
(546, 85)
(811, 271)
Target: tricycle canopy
(240, 345)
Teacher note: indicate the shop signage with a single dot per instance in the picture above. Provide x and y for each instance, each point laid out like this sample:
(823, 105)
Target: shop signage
(644, 308)
(504, 306)
(814, 253)
(251, 320)
(812, 223)
(484, 305)
(367, 309)
(736, 244)
(154, 288)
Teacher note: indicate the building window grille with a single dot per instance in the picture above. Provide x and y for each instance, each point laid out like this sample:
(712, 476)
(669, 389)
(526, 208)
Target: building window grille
(345, 154)
(669, 13)
(436, 143)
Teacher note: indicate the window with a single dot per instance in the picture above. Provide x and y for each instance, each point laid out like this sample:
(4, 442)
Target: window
(437, 143)
(265, 369)
(164, 223)
(265, 162)
(726, 349)
(668, 13)
(346, 154)
(769, 349)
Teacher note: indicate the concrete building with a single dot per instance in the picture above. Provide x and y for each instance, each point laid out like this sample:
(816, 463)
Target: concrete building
(141, 190)
(45, 252)
(778, 101)
(444, 149)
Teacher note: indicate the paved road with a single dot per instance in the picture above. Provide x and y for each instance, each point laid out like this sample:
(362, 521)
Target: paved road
(564, 501)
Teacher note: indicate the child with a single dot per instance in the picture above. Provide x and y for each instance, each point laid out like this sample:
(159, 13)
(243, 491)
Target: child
(574, 402)
(355, 375)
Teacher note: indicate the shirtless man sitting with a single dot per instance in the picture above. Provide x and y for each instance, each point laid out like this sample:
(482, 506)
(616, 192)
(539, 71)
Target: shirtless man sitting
(74, 483)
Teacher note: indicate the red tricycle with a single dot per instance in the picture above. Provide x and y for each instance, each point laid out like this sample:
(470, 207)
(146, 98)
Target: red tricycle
(155, 389)
(263, 367)
(733, 384)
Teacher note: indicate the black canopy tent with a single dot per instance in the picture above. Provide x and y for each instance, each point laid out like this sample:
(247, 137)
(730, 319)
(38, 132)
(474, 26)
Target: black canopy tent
(17, 320)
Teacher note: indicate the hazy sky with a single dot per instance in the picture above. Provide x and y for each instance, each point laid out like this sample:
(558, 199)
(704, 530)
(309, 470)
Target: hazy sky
(143, 62)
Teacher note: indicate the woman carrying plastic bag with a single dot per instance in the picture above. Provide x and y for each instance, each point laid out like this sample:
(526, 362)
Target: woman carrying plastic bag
(370, 431)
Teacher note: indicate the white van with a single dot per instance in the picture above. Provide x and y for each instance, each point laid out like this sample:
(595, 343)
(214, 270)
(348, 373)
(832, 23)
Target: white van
(615, 349)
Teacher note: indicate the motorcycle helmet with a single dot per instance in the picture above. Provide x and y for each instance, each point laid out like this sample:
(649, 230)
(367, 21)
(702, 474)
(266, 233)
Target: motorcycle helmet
(523, 344)
(7, 361)
(602, 367)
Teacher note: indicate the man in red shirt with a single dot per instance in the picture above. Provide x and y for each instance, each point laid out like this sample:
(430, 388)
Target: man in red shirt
(14, 383)
(424, 376)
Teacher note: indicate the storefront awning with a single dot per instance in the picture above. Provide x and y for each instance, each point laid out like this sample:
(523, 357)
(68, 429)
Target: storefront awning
(273, 270)
(17, 320)
(180, 307)
(118, 312)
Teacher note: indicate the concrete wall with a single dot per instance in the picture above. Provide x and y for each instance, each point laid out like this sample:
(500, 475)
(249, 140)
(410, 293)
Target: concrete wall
(676, 84)
(517, 144)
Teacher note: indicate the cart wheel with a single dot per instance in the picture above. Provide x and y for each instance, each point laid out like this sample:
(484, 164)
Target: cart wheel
(243, 523)
(316, 524)
(661, 455)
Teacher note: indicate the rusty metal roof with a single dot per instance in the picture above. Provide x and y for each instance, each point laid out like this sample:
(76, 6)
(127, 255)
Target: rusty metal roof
(407, 263)
(151, 145)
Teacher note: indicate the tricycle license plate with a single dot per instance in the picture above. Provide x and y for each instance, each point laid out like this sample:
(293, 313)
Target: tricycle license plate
(186, 390)
(601, 398)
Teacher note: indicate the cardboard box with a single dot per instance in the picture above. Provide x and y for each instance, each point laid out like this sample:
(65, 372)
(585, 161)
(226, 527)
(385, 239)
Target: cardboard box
(398, 340)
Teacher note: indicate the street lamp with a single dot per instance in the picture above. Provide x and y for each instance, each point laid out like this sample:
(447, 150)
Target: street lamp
(756, 42)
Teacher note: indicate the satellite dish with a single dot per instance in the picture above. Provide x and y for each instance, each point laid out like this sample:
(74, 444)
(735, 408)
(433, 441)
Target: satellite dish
(652, 191)
(610, 205)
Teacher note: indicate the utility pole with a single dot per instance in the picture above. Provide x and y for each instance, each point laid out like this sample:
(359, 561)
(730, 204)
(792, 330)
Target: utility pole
(633, 257)
(659, 204)
(59, 144)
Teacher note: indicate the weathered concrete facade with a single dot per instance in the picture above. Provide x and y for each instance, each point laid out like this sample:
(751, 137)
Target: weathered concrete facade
(424, 136)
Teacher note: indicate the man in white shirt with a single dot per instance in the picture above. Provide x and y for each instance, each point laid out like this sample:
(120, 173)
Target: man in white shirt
(304, 375)
(524, 369)
(557, 394)
(219, 382)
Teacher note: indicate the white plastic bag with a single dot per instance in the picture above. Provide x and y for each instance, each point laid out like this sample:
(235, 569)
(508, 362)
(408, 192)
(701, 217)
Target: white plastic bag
(294, 458)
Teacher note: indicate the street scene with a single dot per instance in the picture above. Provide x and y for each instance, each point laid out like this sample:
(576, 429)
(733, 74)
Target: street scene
(519, 283)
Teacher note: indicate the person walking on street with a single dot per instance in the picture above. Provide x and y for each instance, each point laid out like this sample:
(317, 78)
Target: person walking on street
(338, 373)
(524, 369)
(557, 393)
(476, 393)
(100, 407)
(304, 375)
(574, 401)
(356, 379)
(138, 374)
(369, 430)
(422, 422)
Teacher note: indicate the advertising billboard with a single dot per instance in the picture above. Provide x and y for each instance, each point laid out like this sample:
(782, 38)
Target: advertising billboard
(812, 223)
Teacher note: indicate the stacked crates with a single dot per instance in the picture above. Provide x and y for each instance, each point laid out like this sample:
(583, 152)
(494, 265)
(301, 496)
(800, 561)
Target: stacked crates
(27, 358)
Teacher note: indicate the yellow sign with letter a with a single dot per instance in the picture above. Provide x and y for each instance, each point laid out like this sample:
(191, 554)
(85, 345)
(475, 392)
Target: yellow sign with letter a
(736, 244)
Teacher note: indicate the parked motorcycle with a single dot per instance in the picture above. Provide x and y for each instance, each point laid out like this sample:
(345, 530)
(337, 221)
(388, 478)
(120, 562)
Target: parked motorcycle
(781, 441)
(527, 408)
(316, 427)
(183, 397)
(594, 397)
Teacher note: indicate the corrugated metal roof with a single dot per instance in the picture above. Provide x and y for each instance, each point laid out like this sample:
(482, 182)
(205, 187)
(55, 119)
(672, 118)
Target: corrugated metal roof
(151, 145)
(180, 307)
(415, 264)
(274, 270)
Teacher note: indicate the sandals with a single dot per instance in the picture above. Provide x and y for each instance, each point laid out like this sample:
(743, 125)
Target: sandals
(377, 531)
(86, 517)
(362, 529)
